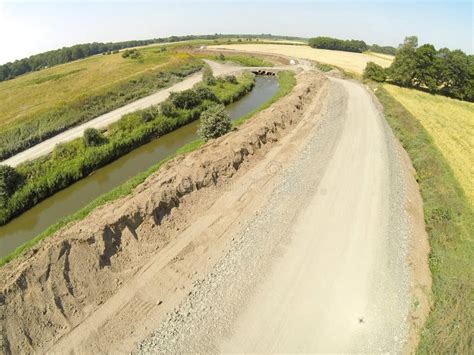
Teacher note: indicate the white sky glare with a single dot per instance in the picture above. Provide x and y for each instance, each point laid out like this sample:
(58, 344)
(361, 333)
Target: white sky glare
(32, 27)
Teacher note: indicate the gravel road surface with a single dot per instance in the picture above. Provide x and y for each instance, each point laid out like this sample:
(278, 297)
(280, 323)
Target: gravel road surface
(321, 265)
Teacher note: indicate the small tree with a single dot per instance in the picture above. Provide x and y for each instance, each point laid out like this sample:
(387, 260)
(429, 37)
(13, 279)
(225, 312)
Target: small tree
(374, 72)
(93, 138)
(10, 180)
(222, 57)
(215, 122)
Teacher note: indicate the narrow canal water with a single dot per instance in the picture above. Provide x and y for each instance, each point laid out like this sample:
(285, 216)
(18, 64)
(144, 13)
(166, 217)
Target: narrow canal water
(66, 202)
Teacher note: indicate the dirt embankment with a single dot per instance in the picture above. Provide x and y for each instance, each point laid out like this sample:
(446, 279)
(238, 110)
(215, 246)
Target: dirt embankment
(54, 287)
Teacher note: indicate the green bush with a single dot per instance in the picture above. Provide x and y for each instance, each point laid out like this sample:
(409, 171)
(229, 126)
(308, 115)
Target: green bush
(374, 72)
(215, 122)
(10, 180)
(132, 54)
(93, 138)
(186, 99)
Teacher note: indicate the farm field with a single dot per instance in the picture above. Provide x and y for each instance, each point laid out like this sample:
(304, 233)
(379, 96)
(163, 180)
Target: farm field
(33, 93)
(39, 105)
(353, 62)
(450, 123)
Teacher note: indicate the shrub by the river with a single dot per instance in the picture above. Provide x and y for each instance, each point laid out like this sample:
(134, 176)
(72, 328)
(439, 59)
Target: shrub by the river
(9, 182)
(93, 138)
(215, 122)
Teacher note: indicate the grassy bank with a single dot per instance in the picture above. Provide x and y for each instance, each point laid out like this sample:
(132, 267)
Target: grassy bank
(287, 82)
(450, 123)
(449, 222)
(42, 104)
(74, 160)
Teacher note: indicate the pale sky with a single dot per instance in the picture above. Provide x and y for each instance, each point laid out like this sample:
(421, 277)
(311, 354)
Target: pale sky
(30, 27)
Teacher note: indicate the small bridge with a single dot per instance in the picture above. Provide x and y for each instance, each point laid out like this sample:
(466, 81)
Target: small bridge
(264, 72)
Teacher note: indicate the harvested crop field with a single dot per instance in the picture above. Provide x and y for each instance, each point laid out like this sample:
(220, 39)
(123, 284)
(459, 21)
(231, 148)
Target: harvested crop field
(354, 62)
(450, 123)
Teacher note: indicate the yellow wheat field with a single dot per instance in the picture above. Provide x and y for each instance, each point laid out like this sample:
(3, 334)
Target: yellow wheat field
(354, 62)
(451, 124)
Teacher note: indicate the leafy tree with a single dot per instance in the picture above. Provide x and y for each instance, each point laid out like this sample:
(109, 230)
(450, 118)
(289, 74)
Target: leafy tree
(215, 122)
(403, 67)
(205, 93)
(221, 57)
(186, 99)
(93, 138)
(374, 72)
(10, 180)
(456, 73)
(425, 73)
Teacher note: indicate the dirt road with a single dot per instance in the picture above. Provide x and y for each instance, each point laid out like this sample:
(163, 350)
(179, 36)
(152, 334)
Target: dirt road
(302, 246)
(104, 120)
(321, 267)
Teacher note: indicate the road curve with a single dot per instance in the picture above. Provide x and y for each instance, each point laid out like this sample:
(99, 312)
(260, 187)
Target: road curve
(106, 119)
(321, 266)
(338, 287)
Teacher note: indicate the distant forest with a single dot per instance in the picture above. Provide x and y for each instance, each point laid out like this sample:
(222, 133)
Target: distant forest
(67, 54)
(350, 45)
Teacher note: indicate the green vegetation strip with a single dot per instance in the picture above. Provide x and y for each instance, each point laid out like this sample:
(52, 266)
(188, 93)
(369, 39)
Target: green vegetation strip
(287, 82)
(449, 222)
(72, 161)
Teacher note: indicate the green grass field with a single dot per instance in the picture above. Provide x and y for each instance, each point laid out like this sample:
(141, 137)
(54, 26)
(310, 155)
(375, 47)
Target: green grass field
(29, 95)
(437, 133)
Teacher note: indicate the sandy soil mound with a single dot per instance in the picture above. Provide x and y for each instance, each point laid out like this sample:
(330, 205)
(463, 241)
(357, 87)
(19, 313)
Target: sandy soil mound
(54, 287)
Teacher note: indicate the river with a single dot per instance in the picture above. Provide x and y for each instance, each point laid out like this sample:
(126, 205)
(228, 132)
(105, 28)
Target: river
(51, 210)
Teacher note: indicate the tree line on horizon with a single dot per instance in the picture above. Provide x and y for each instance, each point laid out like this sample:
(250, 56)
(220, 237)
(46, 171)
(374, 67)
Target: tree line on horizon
(349, 45)
(445, 72)
(63, 55)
